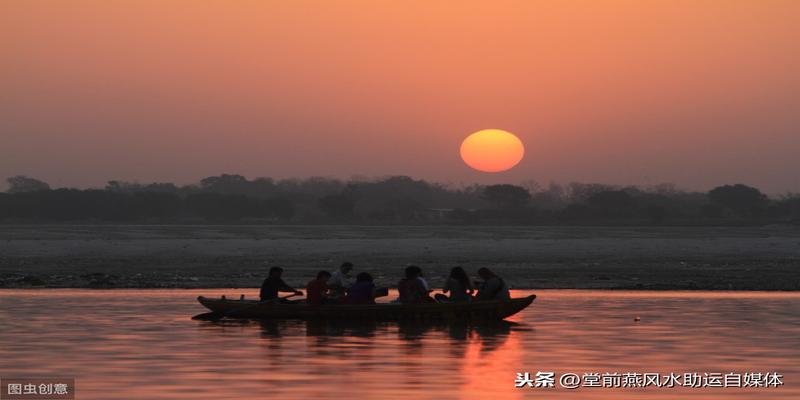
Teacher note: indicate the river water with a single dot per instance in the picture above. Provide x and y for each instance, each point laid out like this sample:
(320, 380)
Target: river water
(142, 344)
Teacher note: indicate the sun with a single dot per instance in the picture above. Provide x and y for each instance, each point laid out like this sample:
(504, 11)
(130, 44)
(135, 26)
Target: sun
(492, 150)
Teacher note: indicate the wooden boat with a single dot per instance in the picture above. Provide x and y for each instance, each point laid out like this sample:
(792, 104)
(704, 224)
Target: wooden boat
(476, 310)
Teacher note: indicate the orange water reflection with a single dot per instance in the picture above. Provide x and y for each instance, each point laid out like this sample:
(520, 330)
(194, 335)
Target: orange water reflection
(128, 344)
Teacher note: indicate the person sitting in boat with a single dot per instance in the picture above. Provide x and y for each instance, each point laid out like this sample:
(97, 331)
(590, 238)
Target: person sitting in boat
(340, 280)
(458, 285)
(421, 278)
(317, 289)
(363, 291)
(493, 287)
(411, 288)
(274, 284)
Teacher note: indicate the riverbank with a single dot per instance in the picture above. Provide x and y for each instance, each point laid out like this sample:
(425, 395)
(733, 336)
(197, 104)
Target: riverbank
(646, 258)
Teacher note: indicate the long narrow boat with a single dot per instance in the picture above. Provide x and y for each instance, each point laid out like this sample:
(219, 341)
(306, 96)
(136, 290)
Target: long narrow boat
(476, 310)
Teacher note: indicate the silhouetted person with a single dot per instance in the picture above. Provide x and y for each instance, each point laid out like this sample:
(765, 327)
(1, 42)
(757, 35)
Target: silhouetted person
(317, 289)
(458, 285)
(274, 284)
(493, 287)
(411, 288)
(340, 280)
(421, 278)
(363, 291)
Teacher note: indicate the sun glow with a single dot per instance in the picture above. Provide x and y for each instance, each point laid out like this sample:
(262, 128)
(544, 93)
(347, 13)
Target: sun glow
(492, 150)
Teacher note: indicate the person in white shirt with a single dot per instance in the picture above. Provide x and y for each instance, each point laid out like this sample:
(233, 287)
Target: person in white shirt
(340, 280)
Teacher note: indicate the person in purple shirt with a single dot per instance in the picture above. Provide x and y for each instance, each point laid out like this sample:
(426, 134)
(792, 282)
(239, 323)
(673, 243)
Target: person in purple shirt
(363, 291)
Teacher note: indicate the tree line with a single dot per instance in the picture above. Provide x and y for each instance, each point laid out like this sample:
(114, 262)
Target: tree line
(392, 200)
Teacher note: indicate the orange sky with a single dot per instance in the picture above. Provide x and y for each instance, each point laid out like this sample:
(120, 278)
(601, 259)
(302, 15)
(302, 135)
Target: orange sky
(693, 92)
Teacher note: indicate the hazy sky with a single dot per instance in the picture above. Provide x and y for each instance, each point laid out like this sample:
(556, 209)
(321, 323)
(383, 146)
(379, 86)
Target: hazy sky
(693, 92)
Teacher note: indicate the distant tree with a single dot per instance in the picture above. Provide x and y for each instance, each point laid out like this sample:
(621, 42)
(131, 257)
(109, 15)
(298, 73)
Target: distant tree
(261, 187)
(574, 213)
(612, 203)
(222, 207)
(122, 186)
(552, 198)
(280, 207)
(134, 187)
(315, 185)
(406, 208)
(506, 196)
(657, 213)
(744, 200)
(531, 186)
(463, 216)
(162, 187)
(392, 199)
(664, 189)
(225, 184)
(239, 185)
(577, 192)
(711, 210)
(23, 184)
(154, 204)
(788, 206)
(337, 205)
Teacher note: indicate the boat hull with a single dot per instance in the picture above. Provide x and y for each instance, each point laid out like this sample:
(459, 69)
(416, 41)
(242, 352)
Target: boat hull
(476, 310)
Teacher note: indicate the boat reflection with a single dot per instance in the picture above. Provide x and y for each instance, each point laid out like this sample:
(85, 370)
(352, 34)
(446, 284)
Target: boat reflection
(491, 334)
(407, 330)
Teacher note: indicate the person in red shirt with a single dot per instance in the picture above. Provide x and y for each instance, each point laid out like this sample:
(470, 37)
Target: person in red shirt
(317, 289)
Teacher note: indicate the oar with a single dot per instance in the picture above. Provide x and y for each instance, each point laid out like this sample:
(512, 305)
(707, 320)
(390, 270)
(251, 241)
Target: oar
(217, 315)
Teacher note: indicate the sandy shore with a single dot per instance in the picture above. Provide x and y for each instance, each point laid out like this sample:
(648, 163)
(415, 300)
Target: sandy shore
(110, 256)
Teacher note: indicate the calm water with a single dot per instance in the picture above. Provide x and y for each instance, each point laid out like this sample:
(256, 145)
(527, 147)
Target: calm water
(141, 344)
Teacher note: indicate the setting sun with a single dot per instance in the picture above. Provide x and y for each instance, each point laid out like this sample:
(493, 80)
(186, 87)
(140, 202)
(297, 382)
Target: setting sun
(492, 150)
